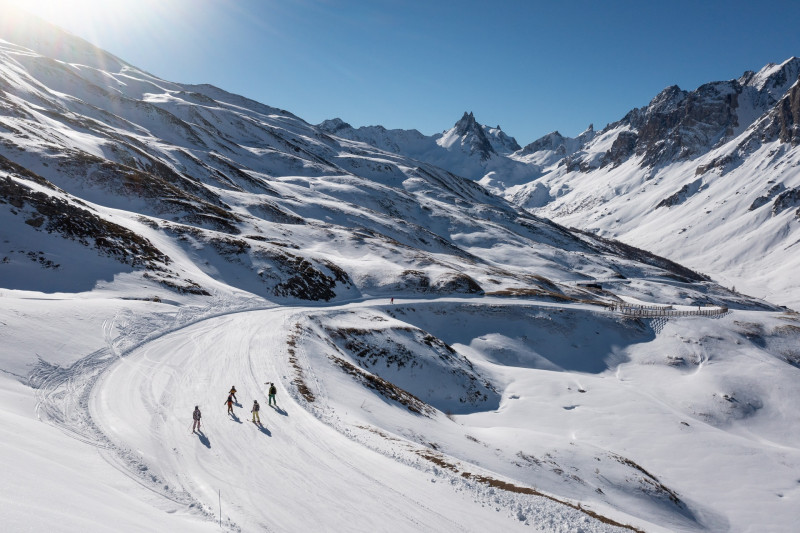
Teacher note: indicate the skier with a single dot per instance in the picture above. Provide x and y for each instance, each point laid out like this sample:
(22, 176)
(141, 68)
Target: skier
(229, 401)
(254, 410)
(196, 417)
(272, 392)
(233, 393)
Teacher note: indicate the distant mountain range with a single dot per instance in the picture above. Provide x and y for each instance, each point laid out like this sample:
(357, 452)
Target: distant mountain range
(708, 177)
(194, 189)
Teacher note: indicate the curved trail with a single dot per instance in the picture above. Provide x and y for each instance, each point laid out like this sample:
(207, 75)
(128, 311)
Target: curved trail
(295, 473)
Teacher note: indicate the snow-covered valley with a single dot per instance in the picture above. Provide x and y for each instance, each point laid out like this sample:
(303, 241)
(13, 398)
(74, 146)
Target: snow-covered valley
(445, 360)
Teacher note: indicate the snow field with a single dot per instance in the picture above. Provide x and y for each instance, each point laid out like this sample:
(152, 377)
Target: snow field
(700, 410)
(264, 474)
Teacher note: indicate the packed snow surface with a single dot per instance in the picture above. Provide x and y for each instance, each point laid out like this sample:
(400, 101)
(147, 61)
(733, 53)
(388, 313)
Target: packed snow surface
(664, 425)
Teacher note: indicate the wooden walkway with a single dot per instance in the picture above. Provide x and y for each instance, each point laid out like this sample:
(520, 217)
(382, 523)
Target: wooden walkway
(664, 310)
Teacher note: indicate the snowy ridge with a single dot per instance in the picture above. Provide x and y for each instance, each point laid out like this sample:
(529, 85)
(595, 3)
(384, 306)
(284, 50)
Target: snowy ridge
(727, 211)
(468, 148)
(444, 359)
(631, 180)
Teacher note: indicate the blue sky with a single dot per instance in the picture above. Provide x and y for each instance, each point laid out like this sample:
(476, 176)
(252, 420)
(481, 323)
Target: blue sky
(532, 67)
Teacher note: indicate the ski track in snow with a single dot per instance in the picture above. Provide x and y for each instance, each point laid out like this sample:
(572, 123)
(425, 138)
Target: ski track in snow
(137, 414)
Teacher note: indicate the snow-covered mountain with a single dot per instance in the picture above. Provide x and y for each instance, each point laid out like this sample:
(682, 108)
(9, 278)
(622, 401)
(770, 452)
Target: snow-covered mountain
(468, 149)
(445, 360)
(707, 177)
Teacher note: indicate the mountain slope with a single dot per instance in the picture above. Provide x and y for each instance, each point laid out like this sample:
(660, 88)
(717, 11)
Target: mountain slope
(682, 177)
(716, 193)
(246, 192)
(445, 359)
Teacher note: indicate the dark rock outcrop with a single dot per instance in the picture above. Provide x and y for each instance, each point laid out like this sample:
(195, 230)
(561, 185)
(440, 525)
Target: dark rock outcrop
(472, 132)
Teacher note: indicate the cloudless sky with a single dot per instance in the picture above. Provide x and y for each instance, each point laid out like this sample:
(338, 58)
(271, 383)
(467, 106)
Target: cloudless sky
(530, 66)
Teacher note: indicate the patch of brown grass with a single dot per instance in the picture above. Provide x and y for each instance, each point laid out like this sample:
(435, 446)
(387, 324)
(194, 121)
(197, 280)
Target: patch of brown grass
(510, 487)
(298, 381)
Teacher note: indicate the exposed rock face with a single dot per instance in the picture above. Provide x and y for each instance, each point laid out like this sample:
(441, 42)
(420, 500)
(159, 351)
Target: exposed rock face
(685, 192)
(622, 148)
(679, 124)
(763, 200)
(52, 214)
(557, 144)
(472, 133)
(786, 200)
(552, 141)
(786, 117)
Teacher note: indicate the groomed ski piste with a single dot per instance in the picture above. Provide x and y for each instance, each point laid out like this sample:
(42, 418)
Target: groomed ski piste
(595, 423)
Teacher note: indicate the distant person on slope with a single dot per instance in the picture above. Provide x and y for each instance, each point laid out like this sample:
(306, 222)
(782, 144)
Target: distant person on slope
(272, 392)
(254, 410)
(196, 417)
(233, 393)
(229, 401)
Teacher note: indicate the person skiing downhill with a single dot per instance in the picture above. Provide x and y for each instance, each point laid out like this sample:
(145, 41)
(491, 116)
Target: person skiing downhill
(233, 393)
(229, 401)
(254, 410)
(272, 392)
(196, 417)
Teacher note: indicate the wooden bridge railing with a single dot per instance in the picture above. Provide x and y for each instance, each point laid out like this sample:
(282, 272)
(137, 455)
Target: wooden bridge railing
(665, 310)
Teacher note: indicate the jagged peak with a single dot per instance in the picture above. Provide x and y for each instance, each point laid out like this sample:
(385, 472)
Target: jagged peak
(667, 98)
(775, 78)
(466, 123)
(468, 132)
(586, 135)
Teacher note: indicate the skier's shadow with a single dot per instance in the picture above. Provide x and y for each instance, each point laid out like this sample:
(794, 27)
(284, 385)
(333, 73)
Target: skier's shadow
(279, 410)
(235, 418)
(203, 439)
(263, 430)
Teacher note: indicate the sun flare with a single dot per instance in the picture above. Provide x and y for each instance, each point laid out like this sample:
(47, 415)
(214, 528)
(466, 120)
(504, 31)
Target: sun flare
(91, 17)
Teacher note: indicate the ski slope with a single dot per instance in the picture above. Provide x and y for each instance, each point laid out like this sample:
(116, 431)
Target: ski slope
(684, 424)
(293, 473)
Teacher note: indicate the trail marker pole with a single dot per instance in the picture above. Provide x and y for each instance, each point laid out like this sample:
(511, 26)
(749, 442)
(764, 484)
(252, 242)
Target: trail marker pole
(220, 507)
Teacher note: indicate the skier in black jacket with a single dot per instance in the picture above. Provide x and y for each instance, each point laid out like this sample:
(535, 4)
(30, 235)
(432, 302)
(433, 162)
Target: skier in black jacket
(196, 418)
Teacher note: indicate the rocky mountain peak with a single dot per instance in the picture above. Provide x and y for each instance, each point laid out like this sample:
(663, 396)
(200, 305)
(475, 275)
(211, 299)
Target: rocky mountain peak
(558, 144)
(783, 122)
(472, 135)
(334, 125)
(467, 124)
(667, 100)
(774, 79)
(551, 141)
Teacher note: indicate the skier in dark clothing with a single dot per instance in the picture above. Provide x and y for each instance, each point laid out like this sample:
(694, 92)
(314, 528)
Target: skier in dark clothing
(272, 392)
(254, 410)
(229, 401)
(233, 393)
(196, 417)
